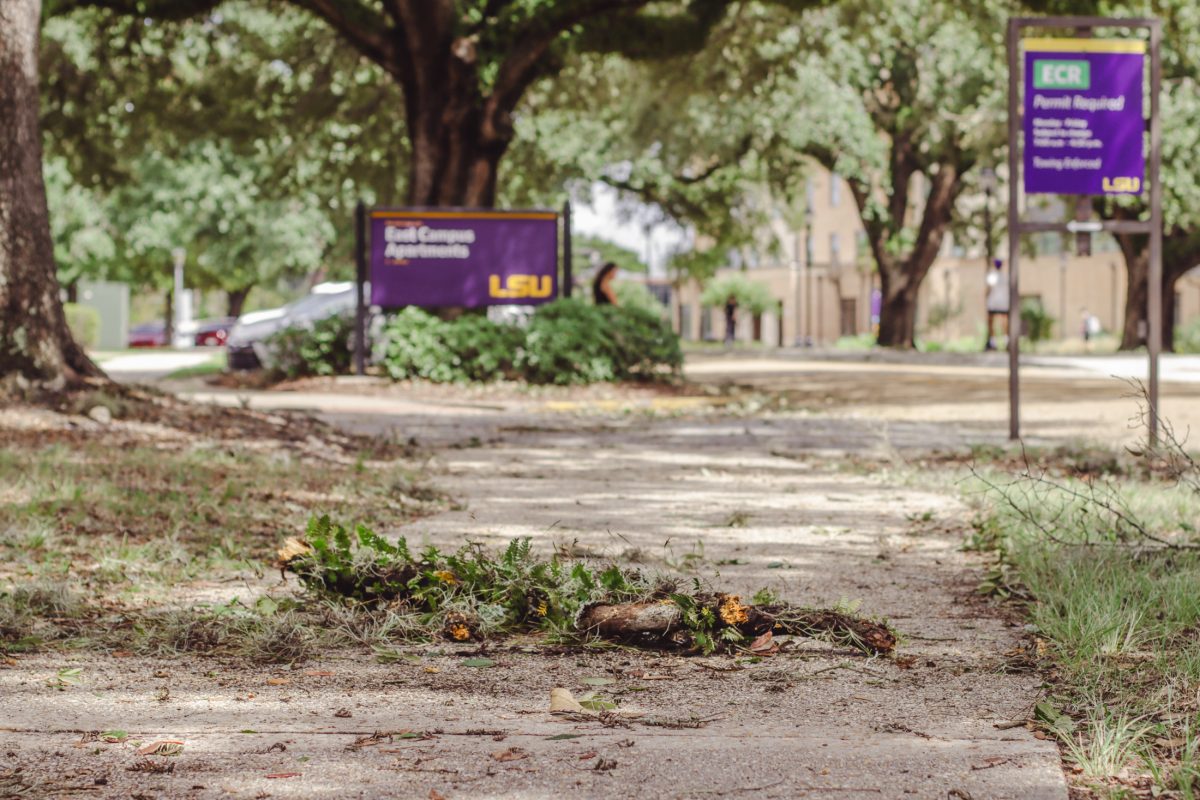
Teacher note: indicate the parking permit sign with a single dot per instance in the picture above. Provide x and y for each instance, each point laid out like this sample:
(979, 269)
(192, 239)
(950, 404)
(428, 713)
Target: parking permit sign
(1084, 126)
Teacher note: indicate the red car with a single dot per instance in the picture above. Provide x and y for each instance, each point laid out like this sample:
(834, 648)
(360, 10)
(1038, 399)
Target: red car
(148, 334)
(213, 332)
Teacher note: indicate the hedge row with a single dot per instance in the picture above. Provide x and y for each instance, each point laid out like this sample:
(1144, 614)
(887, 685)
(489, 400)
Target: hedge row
(564, 342)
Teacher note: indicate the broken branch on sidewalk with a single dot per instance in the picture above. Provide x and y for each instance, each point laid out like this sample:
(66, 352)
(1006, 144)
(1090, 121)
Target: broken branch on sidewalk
(472, 595)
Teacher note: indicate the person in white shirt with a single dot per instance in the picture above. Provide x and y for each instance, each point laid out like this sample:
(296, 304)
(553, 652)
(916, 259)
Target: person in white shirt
(997, 301)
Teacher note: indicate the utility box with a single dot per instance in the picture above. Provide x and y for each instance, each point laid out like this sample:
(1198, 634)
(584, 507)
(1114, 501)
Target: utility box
(111, 301)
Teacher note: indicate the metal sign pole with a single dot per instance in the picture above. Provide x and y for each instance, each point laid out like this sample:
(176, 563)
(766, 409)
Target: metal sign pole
(1154, 302)
(360, 278)
(568, 268)
(1014, 238)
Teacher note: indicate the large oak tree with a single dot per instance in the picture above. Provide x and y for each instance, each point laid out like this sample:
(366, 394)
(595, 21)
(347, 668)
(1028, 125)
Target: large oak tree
(35, 343)
(463, 67)
(911, 97)
(1180, 177)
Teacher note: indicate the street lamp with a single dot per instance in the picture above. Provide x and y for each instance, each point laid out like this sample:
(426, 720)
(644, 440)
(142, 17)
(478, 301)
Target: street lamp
(179, 255)
(804, 293)
(987, 180)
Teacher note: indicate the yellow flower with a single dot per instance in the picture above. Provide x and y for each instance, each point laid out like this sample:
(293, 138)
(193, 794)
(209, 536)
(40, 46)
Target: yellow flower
(732, 611)
(446, 576)
(460, 632)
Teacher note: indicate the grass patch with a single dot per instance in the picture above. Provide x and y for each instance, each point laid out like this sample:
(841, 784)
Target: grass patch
(1102, 554)
(130, 522)
(118, 510)
(215, 365)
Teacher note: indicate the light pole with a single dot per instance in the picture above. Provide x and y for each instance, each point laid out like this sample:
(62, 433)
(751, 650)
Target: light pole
(794, 280)
(1062, 291)
(987, 180)
(806, 271)
(178, 255)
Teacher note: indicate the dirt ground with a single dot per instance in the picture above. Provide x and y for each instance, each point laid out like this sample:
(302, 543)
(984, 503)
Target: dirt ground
(807, 478)
(968, 394)
(824, 501)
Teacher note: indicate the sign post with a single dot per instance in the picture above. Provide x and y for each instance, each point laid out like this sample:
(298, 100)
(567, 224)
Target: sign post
(1084, 128)
(568, 270)
(360, 277)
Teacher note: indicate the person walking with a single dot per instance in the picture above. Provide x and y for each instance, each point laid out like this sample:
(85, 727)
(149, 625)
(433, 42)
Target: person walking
(997, 301)
(731, 306)
(603, 293)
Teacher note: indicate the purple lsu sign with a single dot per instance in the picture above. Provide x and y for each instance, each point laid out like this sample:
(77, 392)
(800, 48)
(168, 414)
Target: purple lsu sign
(463, 258)
(1083, 116)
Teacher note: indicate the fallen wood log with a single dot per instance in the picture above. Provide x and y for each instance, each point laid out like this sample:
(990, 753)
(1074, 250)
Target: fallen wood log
(835, 625)
(663, 621)
(631, 620)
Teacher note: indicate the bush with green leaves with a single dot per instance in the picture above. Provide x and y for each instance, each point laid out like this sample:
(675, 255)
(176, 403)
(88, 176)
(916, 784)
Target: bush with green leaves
(1036, 322)
(642, 343)
(84, 322)
(565, 342)
(325, 348)
(1187, 337)
(416, 344)
(569, 342)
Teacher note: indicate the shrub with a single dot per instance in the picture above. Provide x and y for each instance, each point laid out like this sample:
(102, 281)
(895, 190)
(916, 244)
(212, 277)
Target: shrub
(643, 343)
(1036, 322)
(470, 348)
(566, 342)
(84, 322)
(323, 349)
(1187, 337)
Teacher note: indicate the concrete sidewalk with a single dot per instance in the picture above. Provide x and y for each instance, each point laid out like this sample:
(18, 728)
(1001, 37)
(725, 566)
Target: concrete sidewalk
(819, 510)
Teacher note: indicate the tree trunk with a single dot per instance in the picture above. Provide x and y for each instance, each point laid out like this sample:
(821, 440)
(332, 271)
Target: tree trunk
(169, 318)
(450, 168)
(235, 299)
(1181, 252)
(1135, 250)
(1168, 312)
(458, 137)
(900, 278)
(35, 343)
(898, 309)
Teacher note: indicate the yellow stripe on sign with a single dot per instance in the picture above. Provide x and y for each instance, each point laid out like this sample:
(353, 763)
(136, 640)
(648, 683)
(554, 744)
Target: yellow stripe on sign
(461, 215)
(1085, 45)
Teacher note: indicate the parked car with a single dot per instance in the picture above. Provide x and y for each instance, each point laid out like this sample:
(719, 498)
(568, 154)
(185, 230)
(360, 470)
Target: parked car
(213, 332)
(250, 328)
(148, 334)
(246, 346)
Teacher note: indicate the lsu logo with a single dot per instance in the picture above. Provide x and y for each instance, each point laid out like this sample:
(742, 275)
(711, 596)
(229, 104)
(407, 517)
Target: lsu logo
(1121, 185)
(516, 286)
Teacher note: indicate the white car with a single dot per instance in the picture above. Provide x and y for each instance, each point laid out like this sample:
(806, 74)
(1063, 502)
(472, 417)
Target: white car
(247, 347)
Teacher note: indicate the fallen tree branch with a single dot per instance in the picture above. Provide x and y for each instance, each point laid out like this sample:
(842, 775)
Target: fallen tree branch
(472, 595)
(663, 623)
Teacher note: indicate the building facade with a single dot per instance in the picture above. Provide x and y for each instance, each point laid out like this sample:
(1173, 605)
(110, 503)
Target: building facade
(824, 279)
